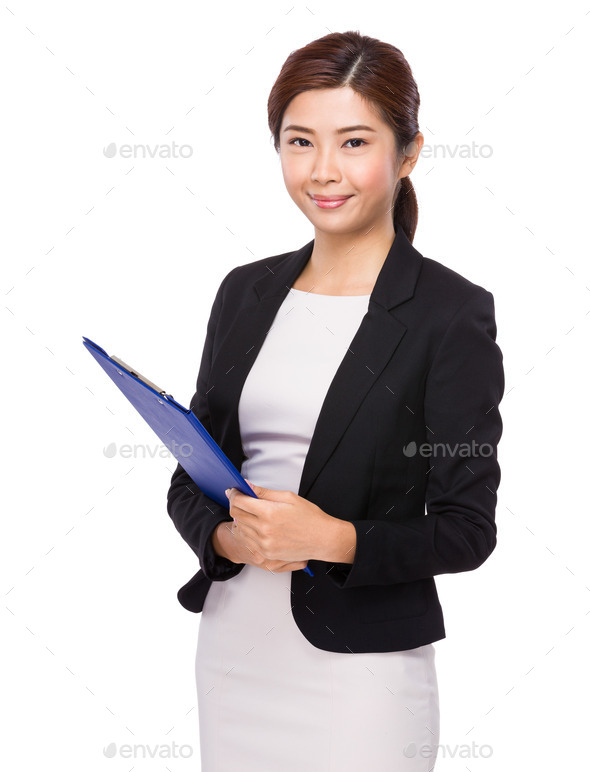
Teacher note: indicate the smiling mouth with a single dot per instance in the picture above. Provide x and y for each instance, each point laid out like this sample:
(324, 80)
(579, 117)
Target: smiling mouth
(330, 202)
(330, 198)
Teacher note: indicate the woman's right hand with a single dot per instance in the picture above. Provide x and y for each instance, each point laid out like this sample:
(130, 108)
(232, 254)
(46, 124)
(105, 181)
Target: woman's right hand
(227, 543)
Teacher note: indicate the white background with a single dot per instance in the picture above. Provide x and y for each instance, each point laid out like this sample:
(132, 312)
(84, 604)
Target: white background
(96, 649)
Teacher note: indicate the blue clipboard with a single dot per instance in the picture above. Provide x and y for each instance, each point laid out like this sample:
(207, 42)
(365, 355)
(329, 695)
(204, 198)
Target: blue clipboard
(179, 429)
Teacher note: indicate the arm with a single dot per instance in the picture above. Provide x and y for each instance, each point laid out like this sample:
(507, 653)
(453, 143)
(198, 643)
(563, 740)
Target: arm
(463, 389)
(194, 514)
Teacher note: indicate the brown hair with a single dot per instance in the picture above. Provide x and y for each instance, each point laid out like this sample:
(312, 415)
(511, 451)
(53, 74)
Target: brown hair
(378, 72)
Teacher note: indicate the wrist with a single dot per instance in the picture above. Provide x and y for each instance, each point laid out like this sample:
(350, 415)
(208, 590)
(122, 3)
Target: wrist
(338, 544)
(219, 540)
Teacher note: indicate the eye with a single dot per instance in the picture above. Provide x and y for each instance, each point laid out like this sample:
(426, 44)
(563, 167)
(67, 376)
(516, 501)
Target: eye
(302, 139)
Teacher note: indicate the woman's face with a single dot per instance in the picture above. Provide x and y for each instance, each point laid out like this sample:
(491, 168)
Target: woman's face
(318, 158)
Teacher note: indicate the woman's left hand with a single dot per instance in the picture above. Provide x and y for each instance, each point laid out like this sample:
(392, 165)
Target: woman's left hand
(279, 524)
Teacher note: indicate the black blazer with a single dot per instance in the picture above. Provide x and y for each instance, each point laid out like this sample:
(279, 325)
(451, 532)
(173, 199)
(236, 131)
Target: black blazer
(422, 373)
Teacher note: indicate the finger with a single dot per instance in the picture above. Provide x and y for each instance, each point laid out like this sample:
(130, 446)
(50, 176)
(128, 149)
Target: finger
(231, 493)
(244, 504)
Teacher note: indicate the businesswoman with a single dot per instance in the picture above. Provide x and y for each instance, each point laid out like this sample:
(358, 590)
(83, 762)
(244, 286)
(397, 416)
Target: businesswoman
(355, 384)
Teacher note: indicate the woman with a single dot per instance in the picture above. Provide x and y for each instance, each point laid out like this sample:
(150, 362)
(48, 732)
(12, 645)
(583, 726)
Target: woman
(330, 376)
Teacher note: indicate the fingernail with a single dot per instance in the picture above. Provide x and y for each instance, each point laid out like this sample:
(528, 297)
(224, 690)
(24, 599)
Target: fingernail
(227, 490)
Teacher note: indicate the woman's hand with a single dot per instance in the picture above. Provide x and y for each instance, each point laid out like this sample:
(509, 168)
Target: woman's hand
(278, 531)
(234, 548)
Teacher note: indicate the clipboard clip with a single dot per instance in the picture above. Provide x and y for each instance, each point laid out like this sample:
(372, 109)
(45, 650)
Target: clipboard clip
(141, 377)
(151, 384)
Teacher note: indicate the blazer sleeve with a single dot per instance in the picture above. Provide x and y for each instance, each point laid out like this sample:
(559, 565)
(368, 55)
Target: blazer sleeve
(463, 389)
(194, 514)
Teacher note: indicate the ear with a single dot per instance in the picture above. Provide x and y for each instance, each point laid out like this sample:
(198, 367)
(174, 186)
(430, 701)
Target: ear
(412, 151)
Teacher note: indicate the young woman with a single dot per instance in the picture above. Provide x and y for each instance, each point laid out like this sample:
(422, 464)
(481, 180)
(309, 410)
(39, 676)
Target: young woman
(355, 383)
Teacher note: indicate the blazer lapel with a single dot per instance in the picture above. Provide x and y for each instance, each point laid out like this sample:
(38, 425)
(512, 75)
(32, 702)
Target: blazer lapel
(375, 342)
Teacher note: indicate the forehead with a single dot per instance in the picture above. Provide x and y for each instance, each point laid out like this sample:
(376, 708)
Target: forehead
(329, 109)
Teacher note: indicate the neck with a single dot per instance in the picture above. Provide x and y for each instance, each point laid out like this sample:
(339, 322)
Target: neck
(345, 264)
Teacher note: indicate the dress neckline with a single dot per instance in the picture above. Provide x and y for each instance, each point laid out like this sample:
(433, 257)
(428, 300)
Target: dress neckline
(317, 294)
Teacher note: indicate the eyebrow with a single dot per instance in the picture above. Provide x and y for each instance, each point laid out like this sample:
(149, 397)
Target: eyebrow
(346, 130)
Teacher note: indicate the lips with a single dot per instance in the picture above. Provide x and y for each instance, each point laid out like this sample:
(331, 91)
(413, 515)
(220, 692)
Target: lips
(330, 198)
(330, 202)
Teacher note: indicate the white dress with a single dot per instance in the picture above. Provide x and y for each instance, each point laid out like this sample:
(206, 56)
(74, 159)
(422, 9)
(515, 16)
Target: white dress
(268, 700)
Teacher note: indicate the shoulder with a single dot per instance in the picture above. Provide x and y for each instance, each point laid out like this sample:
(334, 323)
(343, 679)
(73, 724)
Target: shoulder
(243, 276)
(447, 292)
(257, 268)
(444, 279)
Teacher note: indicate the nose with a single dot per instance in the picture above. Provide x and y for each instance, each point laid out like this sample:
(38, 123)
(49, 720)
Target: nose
(325, 168)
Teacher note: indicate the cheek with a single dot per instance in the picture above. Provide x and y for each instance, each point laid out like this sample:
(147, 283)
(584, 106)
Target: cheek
(292, 172)
(376, 177)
